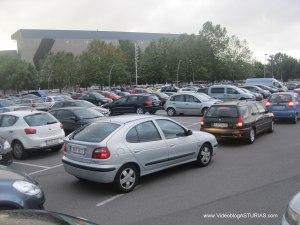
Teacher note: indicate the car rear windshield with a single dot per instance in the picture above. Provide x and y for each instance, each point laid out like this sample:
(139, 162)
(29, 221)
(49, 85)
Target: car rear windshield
(39, 119)
(281, 98)
(223, 111)
(87, 113)
(85, 104)
(96, 132)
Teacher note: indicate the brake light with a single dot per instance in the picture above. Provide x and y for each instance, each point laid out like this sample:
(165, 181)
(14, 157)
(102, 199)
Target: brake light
(64, 147)
(101, 153)
(201, 121)
(291, 104)
(30, 131)
(268, 104)
(240, 122)
(148, 103)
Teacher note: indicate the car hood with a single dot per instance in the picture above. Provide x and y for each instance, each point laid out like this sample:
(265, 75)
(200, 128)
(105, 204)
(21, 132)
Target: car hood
(10, 174)
(295, 203)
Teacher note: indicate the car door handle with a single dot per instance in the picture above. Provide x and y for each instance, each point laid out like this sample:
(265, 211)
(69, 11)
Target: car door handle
(137, 151)
(10, 131)
(172, 145)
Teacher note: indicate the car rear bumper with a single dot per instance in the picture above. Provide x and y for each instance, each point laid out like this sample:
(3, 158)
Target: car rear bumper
(31, 143)
(96, 173)
(227, 133)
(284, 114)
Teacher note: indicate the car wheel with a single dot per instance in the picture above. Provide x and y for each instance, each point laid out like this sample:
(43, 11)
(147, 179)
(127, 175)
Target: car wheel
(18, 150)
(140, 111)
(204, 110)
(271, 128)
(251, 137)
(171, 112)
(205, 155)
(126, 179)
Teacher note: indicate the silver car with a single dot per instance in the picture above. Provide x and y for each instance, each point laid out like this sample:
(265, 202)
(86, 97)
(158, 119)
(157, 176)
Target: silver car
(292, 214)
(189, 103)
(121, 149)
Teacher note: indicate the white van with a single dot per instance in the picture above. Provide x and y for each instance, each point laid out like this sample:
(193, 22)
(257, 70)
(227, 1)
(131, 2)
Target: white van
(271, 82)
(228, 93)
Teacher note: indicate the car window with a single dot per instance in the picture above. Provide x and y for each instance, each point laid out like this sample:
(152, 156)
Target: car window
(253, 109)
(39, 119)
(8, 120)
(217, 90)
(64, 114)
(276, 98)
(190, 98)
(232, 91)
(132, 136)
(95, 132)
(222, 111)
(244, 111)
(147, 132)
(260, 108)
(170, 129)
(132, 99)
(177, 98)
(87, 113)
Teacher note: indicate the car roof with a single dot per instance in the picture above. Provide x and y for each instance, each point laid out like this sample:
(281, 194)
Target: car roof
(130, 118)
(70, 108)
(235, 103)
(22, 113)
(286, 93)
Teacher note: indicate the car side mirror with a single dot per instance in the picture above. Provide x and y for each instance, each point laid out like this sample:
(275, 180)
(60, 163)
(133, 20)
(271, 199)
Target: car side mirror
(188, 132)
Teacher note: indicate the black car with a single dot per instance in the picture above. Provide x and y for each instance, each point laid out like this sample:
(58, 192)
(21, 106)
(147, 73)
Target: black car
(39, 217)
(161, 96)
(19, 191)
(256, 89)
(80, 103)
(169, 89)
(137, 103)
(5, 152)
(74, 117)
(240, 119)
(95, 98)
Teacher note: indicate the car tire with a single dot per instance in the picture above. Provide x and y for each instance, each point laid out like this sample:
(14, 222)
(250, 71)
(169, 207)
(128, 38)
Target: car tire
(271, 128)
(140, 110)
(126, 178)
(171, 112)
(18, 150)
(251, 137)
(205, 155)
(204, 110)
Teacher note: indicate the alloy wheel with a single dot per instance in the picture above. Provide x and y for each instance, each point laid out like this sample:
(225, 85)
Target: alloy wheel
(127, 178)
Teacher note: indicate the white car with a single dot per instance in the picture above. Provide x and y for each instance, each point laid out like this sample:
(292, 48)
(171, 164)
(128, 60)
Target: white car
(50, 100)
(31, 130)
(292, 214)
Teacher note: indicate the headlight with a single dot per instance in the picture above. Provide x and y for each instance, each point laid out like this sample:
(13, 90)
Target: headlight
(291, 216)
(26, 187)
(6, 145)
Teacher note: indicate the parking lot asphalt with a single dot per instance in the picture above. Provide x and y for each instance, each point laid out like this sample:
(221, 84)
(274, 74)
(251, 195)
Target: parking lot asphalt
(257, 178)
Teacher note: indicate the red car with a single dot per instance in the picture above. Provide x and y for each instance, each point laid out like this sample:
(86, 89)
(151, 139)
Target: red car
(110, 95)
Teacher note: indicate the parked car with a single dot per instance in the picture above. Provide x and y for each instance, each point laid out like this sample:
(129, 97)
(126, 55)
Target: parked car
(189, 103)
(292, 213)
(110, 95)
(148, 144)
(5, 152)
(188, 89)
(18, 191)
(239, 119)
(266, 81)
(292, 85)
(256, 89)
(95, 98)
(271, 89)
(228, 92)
(50, 100)
(73, 118)
(169, 89)
(139, 91)
(284, 105)
(161, 96)
(16, 108)
(138, 103)
(258, 97)
(39, 217)
(122, 93)
(36, 103)
(6, 102)
(80, 103)
(28, 131)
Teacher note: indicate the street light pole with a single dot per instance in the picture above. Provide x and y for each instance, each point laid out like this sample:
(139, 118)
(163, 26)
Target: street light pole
(136, 62)
(178, 71)
(265, 65)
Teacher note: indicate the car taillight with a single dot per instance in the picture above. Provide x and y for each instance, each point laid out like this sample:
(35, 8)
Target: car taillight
(64, 147)
(148, 103)
(240, 122)
(268, 104)
(30, 131)
(101, 153)
(202, 121)
(291, 104)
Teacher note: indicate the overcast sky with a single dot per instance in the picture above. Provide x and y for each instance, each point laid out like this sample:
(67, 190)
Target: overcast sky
(269, 26)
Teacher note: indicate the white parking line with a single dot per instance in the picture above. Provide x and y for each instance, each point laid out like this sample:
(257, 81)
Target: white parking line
(33, 165)
(39, 171)
(193, 124)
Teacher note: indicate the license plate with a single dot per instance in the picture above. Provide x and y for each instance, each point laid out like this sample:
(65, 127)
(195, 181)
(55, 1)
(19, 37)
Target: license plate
(52, 142)
(278, 107)
(221, 125)
(77, 150)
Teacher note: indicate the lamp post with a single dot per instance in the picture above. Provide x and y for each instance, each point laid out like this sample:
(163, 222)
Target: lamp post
(265, 67)
(179, 62)
(109, 75)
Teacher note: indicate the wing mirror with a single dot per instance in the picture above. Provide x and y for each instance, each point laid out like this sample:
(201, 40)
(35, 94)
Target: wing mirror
(188, 132)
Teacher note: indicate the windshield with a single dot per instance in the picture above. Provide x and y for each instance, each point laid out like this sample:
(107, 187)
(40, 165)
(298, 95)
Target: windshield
(222, 112)
(87, 113)
(276, 98)
(203, 97)
(96, 132)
